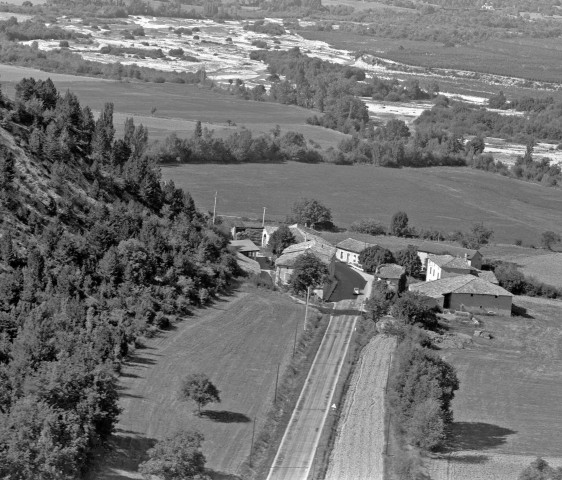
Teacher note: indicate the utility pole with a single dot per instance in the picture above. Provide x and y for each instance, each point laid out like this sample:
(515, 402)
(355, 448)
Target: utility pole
(263, 218)
(296, 330)
(276, 383)
(215, 208)
(306, 308)
(252, 446)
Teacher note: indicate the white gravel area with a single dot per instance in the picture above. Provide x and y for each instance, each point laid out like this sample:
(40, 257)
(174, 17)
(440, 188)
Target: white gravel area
(359, 446)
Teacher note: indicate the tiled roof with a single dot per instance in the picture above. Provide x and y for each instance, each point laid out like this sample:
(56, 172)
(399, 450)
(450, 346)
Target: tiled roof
(352, 245)
(390, 271)
(323, 251)
(441, 249)
(459, 284)
(244, 245)
(448, 261)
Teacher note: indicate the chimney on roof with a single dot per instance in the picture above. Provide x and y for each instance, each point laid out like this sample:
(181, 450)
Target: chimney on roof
(466, 256)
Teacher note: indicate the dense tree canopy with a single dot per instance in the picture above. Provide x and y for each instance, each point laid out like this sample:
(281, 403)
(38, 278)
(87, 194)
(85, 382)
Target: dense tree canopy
(308, 272)
(310, 212)
(94, 255)
(281, 239)
(372, 257)
(178, 457)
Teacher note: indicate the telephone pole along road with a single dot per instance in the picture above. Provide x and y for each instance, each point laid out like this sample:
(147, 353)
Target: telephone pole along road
(294, 458)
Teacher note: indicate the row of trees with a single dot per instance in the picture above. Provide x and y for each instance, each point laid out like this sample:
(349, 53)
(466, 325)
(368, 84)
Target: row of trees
(94, 254)
(421, 384)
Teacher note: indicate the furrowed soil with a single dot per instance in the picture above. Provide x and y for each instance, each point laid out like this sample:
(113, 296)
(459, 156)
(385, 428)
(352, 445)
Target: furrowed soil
(445, 198)
(359, 446)
(509, 407)
(239, 341)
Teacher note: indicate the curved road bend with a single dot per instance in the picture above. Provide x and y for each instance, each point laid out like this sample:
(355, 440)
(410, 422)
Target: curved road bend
(295, 455)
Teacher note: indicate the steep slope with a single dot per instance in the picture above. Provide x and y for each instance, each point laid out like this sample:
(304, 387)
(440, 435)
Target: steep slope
(94, 253)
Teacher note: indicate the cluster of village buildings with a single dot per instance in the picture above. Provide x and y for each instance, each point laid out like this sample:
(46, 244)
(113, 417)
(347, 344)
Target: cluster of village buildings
(454, 278)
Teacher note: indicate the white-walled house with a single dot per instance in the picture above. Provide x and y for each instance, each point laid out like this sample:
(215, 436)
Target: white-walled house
(440, 266)
(473, 257)
(348, 251)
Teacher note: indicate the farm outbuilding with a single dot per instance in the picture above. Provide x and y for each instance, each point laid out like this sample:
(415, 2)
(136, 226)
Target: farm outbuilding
(468, 293)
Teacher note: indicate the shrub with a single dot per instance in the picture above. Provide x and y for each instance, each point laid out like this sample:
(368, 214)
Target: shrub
(64, 44)
(370, 226)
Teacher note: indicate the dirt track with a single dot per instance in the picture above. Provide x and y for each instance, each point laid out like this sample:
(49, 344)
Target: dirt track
(296, 452)
(359, 446)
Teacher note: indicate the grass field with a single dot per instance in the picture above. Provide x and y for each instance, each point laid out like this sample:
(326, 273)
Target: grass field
(509, 406)
(239, 343)
(446, 198)
(177, 106)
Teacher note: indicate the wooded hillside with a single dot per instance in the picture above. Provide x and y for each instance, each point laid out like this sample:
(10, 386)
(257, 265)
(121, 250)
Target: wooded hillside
(94, 253)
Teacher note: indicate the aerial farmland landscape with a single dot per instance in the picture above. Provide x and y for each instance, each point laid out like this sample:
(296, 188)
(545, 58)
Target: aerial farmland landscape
(281, 240)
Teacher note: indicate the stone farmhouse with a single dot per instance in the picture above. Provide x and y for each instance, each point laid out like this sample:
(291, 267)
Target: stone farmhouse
(285, 264)
(348, 251)
(472, 257)
(466, 293)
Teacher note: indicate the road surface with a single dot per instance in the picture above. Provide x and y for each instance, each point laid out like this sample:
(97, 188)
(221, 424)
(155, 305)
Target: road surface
(358, 452)
(296, 452)
(347, 280)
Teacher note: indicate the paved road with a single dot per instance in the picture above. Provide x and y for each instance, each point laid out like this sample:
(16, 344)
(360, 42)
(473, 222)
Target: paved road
(296, 452)
(347, 280)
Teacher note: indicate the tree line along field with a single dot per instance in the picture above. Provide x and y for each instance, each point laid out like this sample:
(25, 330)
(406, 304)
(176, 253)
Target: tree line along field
(508, 408)
(177, 106)
(238, 342)
(445, 198)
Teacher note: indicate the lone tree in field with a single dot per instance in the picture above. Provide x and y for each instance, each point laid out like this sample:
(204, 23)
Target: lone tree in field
(549, 239)
(310, 212)
(178, 457)
(281, 239)
(399, 224)
(308, 271)
(198, 388)
(372, 257)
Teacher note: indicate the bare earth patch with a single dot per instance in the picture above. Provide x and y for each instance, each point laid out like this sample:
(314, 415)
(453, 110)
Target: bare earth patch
(359, 446)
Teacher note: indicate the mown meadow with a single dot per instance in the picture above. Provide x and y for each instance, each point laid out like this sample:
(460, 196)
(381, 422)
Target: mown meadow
(446, 198)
